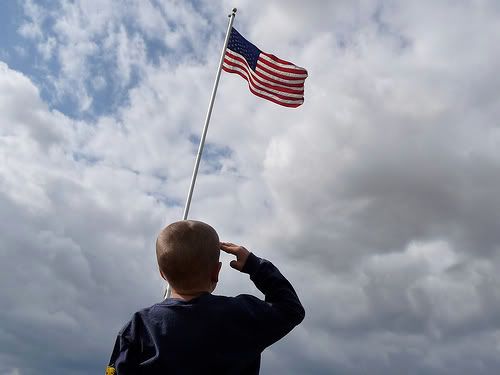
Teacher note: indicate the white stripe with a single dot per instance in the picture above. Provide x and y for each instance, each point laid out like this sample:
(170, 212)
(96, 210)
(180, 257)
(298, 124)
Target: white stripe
(270, 59)
(266, 93)
(255, 78)
(288, 74)
(257, 69)
(256, 85)
(260, 78)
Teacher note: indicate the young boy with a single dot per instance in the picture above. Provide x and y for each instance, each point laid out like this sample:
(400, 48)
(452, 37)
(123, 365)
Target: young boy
(194, 331)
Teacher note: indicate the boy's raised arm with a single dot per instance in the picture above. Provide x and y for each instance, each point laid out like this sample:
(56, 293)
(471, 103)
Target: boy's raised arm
(282, 309)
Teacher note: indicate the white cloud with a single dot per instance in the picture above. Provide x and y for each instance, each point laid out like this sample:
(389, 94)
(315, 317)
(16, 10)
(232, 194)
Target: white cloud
(84, 36)
(99, 83)
(36, 16)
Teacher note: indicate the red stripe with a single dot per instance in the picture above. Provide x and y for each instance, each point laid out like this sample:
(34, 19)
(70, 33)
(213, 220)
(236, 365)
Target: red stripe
(249, 80)
(292, 105)
(277, 59)
(242, 63)
(295, 69)
(299, 85)
(279, 75)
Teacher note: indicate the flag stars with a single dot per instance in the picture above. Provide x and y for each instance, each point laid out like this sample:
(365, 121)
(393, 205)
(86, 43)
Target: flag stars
(243, 47)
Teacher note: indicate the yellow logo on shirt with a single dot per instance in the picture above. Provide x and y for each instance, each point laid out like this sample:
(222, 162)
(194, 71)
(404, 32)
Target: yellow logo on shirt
(110, 371)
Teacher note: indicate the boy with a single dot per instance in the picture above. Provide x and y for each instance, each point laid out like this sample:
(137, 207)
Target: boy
(194, 331)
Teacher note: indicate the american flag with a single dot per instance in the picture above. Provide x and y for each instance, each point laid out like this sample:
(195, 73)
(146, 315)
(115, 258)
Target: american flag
(269, 77)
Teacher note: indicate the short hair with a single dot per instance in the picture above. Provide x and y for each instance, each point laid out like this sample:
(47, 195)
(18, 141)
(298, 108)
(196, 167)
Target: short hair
(187, 252)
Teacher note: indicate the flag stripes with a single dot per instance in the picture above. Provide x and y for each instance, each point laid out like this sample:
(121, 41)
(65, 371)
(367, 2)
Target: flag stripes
(268, 76)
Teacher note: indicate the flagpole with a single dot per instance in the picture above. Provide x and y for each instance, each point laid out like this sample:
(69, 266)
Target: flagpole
(207, 119)
(205, 127)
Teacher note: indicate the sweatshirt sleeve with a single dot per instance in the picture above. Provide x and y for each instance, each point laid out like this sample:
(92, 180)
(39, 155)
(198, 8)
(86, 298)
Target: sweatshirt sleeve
(124, 359)
(281, 309)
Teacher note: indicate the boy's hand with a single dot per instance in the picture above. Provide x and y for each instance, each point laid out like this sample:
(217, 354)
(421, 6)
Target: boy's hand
(240, 252)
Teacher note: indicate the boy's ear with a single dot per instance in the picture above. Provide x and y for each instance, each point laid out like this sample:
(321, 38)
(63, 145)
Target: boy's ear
(215, 273)
(162, 275)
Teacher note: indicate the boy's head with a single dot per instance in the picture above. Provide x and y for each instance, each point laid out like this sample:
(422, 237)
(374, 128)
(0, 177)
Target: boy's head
(188, 255)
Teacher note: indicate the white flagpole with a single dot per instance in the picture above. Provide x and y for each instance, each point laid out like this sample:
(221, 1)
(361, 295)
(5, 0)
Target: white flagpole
(207, 119)
(205, 127)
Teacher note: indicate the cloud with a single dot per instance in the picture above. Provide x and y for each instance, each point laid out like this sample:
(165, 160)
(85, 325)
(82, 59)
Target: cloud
(86, 38)
(377, 197)
(36, 15)
(60, 235)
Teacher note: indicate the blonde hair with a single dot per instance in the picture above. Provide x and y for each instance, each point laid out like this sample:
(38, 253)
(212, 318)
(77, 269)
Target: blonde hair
(187, 252)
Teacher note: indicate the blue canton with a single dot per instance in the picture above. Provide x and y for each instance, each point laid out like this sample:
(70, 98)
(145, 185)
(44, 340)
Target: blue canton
(242, 46)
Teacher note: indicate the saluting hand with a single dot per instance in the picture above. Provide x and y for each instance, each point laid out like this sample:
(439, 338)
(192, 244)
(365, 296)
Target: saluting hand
(240, 252)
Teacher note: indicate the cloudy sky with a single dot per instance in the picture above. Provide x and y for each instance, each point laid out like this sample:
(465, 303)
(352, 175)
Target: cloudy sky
(378, 198)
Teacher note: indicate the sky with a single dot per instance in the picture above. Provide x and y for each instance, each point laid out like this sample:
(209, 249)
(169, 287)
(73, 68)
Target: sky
(377, 198)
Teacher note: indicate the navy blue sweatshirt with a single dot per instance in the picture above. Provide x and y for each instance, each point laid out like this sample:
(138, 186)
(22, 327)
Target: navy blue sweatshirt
(210, 334)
